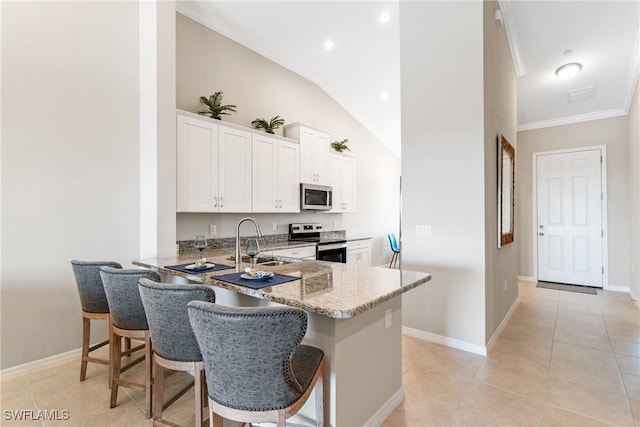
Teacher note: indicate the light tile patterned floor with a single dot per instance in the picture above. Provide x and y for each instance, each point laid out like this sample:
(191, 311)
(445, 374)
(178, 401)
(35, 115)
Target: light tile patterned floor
(564, 359)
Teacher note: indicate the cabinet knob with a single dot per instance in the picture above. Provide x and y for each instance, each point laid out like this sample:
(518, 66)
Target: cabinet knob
(541, 234)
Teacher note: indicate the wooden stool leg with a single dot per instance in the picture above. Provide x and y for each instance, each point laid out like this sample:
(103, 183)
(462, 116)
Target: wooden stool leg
(148, 376)
(282, 418)
(215, 420)
(86, 335)
(197, 376)
(319, 392)
(116, 357)
(127, 345)
(158, 391)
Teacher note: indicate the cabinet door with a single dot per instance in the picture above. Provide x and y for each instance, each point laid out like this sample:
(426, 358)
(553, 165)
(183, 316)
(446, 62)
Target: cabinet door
(197, 163)
(288, 171)
(265, 174)
(321, 157)
(348, 188)
(335, 166)
(307, 171)
(234, 170)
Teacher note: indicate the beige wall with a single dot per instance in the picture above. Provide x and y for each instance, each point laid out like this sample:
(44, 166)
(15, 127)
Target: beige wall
(208, 62)
(500, 88)
(634, 167)
(614, 134)
(443, 171)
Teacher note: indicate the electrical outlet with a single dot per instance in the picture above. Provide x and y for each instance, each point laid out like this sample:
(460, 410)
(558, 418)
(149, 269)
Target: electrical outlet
(387, 318)
(423, 230)
(505, 285)
(275, 226)
(213, 229)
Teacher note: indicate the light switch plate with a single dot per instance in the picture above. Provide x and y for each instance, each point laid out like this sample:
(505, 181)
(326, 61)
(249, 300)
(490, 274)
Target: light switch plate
(423, 230)
(213, 229)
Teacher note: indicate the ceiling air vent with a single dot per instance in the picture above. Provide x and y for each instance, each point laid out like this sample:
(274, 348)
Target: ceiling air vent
(581, 94)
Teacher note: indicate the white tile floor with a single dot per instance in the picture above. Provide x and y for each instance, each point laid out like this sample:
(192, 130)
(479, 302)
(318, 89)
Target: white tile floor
(564, 359)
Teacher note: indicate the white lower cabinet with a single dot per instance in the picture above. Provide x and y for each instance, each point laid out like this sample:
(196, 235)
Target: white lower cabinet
(359, 252)
(343, 183)
(276, 175)
(304, 252)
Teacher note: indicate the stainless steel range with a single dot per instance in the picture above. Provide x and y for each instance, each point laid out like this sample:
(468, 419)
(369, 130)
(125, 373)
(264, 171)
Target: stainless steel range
(326, 249)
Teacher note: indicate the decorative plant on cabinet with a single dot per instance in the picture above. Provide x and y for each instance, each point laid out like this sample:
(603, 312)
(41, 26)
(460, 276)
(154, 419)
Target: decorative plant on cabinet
(216, 109)
(268, 126)
(340, 146)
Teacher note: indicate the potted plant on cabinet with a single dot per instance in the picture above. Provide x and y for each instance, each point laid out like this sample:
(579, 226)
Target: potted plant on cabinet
(216, 109)
(268, 126)
(340, 146)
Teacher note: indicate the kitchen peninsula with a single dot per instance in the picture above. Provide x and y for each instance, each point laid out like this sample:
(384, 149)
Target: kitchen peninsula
(354, 317)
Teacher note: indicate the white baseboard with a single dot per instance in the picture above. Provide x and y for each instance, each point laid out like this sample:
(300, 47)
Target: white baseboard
(617, 288)
(37, 365)
(385, 410)
(527, 279)
(449, 342)
(501, 326)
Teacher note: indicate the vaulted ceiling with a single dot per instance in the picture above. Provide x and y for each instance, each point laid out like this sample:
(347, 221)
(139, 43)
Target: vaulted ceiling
(361, 71)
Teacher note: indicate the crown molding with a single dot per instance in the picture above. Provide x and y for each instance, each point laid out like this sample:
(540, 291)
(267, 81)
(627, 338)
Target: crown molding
(606, 114)
(512, 38)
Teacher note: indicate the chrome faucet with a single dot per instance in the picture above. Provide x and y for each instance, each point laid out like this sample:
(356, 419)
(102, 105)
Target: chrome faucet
(238, 259)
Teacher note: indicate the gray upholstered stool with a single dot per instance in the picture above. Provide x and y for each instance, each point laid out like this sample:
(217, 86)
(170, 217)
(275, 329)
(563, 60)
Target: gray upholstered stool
(256, 369)
(128, 320)
(174, 345)
(94, 306)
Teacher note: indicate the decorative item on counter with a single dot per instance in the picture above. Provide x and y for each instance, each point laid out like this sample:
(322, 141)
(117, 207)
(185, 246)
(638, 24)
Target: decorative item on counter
(257, 273)
(201, 263)
(268, 126)
(340, 146)
(216, 109)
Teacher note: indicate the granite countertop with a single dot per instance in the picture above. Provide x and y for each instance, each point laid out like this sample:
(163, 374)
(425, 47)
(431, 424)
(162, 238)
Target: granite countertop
(331, 289)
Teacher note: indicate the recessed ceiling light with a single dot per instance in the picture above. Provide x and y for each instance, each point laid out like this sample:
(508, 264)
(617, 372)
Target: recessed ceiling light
(329, 44)
(384, 17)
(568, 71)
(384, 95)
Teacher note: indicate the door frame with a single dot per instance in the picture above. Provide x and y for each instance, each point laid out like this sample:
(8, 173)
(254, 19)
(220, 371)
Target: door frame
(604, 206)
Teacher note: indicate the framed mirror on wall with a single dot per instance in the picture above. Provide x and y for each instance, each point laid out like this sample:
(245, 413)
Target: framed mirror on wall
(506, 191)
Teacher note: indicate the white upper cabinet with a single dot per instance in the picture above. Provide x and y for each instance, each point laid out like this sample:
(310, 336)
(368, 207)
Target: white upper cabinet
(276, 175)
(214, 166)
(343, 183)
(314, 151)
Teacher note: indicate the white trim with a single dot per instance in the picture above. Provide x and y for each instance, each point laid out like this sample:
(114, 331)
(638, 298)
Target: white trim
(38, 365)
(386, 409)
(502, 325)
(534, 207)
(632, 77)
(447, 341)
(596, 115)
(512, 38)
(613, 288)
(531, 279)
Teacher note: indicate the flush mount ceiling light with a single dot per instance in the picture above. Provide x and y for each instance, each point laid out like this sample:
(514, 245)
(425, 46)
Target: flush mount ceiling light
(384, 17)
(568, 71)
(384, 96)
(329, 44)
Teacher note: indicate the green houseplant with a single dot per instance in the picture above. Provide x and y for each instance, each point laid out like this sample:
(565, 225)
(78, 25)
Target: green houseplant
(268, 126)
(216, 109)
(340, 146)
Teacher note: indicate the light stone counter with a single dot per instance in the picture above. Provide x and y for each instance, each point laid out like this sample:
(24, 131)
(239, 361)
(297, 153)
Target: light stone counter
(354, 316)
(331, 289)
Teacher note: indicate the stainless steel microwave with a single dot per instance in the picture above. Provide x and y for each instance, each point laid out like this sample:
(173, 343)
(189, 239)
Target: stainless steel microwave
(315, 197)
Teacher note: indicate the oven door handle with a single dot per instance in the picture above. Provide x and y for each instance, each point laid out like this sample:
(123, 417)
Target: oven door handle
(322, 248)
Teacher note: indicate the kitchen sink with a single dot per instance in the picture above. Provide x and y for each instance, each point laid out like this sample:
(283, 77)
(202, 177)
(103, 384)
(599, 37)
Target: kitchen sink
(274, 263)
(263, 260)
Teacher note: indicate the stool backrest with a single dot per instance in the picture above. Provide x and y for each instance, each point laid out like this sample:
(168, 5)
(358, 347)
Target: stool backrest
(393, 242)
(247, 353)
(121, 287)
(165, 305)
(89, 283)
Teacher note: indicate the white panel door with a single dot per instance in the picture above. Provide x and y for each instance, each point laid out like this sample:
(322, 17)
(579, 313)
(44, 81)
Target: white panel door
(569, 218)
(348, 184)
(265, 177)
(234, 175)
(288, 171)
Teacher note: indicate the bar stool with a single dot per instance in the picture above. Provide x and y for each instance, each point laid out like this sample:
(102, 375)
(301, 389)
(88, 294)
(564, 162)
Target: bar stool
(393, 242)
(128, 320)
(174, 345)
(256, 368)
(94, 306)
